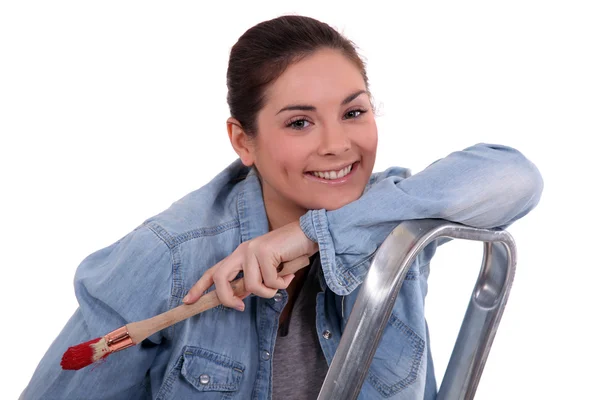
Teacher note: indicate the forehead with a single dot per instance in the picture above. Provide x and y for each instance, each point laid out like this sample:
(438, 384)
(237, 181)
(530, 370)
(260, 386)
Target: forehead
(326, 76)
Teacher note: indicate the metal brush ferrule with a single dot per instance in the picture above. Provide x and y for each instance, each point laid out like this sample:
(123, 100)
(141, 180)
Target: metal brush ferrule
(118, 339)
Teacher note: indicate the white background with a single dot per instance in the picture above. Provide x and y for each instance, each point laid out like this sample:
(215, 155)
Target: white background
(110, 111)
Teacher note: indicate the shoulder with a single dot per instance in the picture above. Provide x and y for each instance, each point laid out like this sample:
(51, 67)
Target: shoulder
(126, 278)
(134, 269)
(212, 209)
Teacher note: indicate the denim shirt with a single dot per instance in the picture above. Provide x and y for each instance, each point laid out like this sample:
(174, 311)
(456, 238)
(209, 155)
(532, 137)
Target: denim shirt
(226, 354)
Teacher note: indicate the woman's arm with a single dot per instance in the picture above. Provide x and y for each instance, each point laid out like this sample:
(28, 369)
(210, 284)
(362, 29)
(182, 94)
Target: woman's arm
(484, 186)
(125, 282)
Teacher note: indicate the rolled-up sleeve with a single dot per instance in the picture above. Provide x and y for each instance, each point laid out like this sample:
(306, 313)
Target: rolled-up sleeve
(484, 186)
(125, 282)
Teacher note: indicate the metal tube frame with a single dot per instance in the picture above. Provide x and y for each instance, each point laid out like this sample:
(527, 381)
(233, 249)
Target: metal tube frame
(378, 294)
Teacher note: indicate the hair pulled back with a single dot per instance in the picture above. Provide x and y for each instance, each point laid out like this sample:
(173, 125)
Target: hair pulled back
(264, 52)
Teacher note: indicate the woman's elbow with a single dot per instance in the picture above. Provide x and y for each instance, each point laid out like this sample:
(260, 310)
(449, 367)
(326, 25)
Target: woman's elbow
(520, 185)
(524, 180)
(507, 186)
(516, 173)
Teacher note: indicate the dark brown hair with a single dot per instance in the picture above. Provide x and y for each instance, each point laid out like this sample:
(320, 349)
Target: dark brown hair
(264, 52)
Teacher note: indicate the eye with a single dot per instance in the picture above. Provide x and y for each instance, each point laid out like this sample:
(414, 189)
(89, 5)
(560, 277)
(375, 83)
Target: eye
(298, 123)
(352, 114)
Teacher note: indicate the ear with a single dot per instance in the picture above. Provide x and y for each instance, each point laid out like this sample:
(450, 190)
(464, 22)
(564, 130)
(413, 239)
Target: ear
(240, 141)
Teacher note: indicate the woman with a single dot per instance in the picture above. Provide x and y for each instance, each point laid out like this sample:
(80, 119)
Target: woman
(303, 126)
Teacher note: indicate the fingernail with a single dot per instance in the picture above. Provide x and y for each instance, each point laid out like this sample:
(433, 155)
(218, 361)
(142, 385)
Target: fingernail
(240, 307)
(186, 298)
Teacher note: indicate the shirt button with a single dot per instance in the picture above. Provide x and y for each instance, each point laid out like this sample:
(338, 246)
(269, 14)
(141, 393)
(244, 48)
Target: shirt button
(204, 379)
(278, 296)
(327, 334)
(265, 355)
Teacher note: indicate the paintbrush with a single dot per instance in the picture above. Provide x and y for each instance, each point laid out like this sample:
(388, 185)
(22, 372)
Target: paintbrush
(134, 333)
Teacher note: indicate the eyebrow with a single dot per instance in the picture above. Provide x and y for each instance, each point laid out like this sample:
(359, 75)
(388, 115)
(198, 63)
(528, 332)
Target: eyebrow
(307, 107)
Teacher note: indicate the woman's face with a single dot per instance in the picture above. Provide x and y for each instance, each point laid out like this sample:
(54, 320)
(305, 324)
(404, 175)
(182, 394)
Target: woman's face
(317, 136)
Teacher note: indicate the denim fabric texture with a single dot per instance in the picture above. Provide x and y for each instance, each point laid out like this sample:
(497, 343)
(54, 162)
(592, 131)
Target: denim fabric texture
(226, 354)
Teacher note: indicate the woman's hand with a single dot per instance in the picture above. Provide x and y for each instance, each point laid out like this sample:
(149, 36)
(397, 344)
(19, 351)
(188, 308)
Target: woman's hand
(259, 258)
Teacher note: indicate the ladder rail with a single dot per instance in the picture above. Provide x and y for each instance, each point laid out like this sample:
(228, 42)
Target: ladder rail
(378, 294)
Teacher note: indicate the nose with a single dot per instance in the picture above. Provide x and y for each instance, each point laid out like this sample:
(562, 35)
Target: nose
(334, 140)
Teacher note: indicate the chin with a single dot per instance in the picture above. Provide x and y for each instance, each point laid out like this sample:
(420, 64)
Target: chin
(333, 204)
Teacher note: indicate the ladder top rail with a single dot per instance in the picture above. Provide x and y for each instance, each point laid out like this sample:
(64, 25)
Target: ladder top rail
(380, 288)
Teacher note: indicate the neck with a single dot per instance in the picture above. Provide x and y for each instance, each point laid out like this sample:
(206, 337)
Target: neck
(280, 212)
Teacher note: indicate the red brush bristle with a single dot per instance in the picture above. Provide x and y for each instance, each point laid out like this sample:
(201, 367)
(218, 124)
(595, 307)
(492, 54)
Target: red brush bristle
(79, 356)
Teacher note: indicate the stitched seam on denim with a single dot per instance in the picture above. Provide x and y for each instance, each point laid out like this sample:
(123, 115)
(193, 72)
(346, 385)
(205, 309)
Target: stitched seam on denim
(348, 272)
(352, 280)
(344, 283)
(217, 359)
(322, 325)
(324, 251)
(161, 233)
(177, 290)
(418, 345)
(307, 226)
(241, 206)
(260, 373)
(172, 241)
(177, 287)
(203, 232)
(274, 325)
(176, 281)
(271, 345)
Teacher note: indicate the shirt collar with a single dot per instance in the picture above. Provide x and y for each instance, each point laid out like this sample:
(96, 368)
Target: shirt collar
(251, 207)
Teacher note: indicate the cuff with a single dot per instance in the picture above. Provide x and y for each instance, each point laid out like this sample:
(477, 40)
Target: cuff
(315, 226)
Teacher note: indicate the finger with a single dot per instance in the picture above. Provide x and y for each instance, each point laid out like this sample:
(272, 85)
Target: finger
(268, 269)
(288, 279)
(200, 287)
(253, 278)
(222, 278)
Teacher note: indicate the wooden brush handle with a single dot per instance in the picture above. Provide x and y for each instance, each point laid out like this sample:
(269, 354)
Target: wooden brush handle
(140, 330)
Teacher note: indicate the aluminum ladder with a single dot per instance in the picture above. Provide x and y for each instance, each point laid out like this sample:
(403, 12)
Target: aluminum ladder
(380, 288)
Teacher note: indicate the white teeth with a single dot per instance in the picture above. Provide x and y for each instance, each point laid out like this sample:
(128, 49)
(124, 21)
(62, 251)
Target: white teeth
(333, 174)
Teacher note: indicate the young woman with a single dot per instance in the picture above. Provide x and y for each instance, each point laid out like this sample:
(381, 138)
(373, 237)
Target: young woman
(303, 126)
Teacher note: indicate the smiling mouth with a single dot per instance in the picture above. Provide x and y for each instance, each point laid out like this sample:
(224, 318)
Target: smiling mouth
(333, 175)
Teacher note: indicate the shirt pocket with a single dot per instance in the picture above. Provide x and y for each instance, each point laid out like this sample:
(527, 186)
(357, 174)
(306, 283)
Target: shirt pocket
(398, 360)
(202, 374)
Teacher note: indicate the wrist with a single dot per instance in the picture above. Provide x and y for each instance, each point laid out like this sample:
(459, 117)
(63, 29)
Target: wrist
(307, 226)
(311, 246)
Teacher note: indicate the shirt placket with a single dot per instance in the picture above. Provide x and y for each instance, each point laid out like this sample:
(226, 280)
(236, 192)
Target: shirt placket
(268, 314)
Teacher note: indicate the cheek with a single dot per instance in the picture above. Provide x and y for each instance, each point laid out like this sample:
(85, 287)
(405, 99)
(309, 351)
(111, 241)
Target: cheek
(373, 141)
(285, 157)
(368, 138)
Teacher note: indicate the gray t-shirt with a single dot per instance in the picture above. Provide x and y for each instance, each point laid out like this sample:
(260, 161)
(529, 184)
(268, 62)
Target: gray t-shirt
(299, 366)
